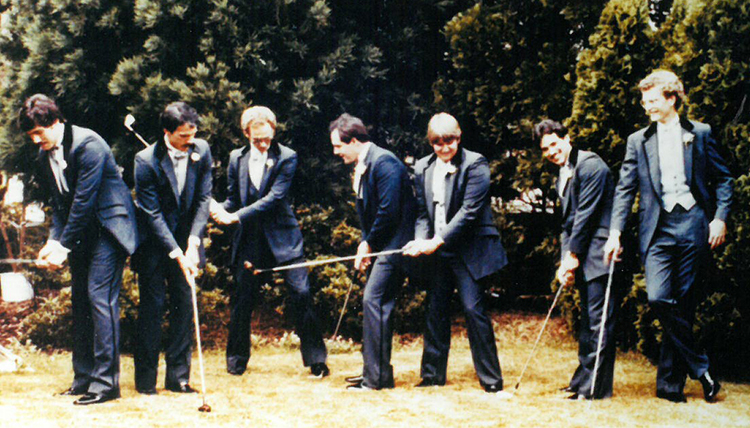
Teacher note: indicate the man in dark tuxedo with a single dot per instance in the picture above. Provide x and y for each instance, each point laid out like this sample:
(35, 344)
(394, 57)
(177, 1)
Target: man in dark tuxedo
(173, 191)
(585, 188)
(386, 208)
(456, 229)
(94, 227)
(258, 182)
(685, 192)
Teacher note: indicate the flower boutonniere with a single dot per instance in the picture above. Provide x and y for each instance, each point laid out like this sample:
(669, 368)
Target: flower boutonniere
(269, 163)
(195, 157)
(688, 138)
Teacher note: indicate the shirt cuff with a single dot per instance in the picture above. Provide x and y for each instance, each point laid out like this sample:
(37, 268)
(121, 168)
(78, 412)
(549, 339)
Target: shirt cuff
(175, 253)
(194, 241)
(57, 244)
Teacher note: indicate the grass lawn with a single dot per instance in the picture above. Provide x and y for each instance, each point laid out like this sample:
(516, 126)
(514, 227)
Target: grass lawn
(276, 391)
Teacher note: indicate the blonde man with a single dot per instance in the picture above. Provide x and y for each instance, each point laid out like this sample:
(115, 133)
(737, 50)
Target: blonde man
(268, 235)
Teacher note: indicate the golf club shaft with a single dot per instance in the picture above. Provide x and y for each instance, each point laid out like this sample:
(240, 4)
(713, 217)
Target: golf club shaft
(19, 262)
(531, 354)
(603, 325)
(191, 283)
(323, 262)
(343, 310)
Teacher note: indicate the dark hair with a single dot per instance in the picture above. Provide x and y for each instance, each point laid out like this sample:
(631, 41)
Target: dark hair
(176, 114)
(349, 127)
(549, 126)
(38, 110)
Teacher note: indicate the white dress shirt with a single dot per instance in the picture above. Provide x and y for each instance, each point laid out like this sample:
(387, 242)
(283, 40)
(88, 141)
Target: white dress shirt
(179, 163)
(57, 164)
(256, 166)
(566, 172)
(675, 189)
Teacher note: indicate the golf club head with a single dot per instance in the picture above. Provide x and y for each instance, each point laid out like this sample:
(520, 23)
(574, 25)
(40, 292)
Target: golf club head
(205, 408)
(129, 121)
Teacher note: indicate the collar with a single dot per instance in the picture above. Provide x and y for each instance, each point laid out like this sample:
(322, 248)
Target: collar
(672, 124)
(172, 150)
(363, 153)
(59, 131)
(256, 155)
(444, 167)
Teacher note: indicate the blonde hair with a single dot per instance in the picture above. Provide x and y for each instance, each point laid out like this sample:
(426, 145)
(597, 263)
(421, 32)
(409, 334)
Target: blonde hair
(258, 116)
(442, 125)
(670, 84)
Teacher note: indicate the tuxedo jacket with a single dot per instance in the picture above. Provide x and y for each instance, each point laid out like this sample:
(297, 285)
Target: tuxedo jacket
(267, 208)
(470, 229)
(167, 218)
(96, 191)
(586, 208)
(707, 175)
(385, 204)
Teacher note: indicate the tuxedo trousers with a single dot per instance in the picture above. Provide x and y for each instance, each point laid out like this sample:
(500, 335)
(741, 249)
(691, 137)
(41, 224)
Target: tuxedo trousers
(96, 265)
(673, 263)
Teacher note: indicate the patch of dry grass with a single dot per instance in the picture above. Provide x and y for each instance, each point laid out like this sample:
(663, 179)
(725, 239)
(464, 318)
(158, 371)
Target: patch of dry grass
(276, 391)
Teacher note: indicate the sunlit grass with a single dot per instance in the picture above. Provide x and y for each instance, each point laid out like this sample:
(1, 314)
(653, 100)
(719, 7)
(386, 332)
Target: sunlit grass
(276, 391)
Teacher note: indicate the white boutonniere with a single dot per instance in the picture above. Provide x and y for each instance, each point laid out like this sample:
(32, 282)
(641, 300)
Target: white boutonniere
(688, 138)
(195, 157)
(269, 163)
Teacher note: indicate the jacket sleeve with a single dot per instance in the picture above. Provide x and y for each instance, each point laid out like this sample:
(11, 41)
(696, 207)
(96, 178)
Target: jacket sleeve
(90, 157)
(278, 193)
(627, 187)
(147, 196)
(722, 178)
(233, 200)
(477, 191)
(203, 195)
(388, 173)
(591, 185)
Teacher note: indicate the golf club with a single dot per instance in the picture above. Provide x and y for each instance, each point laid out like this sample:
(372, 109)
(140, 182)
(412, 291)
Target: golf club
(129, 121)
(602, 326)
(20, 262)
(343, 310)
(531, 354)
(191, 282)
(249, 266)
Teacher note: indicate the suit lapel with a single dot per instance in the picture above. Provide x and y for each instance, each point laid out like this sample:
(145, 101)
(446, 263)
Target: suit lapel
(687, 149)
(364, 180)
(190, 173)
(165, 162)
(567, 194)
(274, 158)
(244, 176)
(651, 148)
(429, 197)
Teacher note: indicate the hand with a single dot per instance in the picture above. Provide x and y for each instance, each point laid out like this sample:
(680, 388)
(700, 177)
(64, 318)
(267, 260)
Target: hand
(362, 262)
(717, 232)
(612, 248)
(52, 256)
(187, 266)
(193, 255)
(220, 215)
(565, 277)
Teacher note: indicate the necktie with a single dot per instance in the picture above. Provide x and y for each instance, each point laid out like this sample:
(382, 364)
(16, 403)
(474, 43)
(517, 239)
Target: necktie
(58, 165)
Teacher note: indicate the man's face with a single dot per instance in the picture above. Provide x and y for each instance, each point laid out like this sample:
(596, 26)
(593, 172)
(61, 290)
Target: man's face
(658, 108)
(45, 137)
(182, 137)
(260, 135)
(446, 147)
(348, 152)
(555, 149)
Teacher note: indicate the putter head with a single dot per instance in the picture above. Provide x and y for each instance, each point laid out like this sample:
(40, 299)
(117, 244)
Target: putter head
(257, 272)
(129, 121)
(205, 408)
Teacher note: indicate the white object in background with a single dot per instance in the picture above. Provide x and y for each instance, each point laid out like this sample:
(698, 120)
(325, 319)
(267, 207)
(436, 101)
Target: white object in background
(34, 214)
(14, 194)
(15, 287)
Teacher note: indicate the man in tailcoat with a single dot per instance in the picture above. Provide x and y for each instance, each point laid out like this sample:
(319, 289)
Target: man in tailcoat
(173, 191)
(456, 229)
(585, 188)
(685, 190)
(94, 228)
(268, 235)
(385, 204)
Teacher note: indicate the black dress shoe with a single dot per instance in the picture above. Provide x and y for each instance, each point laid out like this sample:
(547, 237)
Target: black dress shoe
(319, 370)
(675, 397)
(493, 388)
(428, 382)
(74, 391)
(355, 379)
(96, 398)
(183, 388)
(146, 391)
(711, 387)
